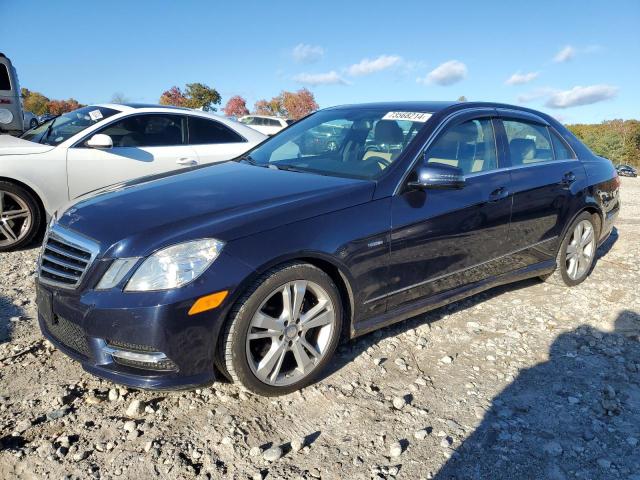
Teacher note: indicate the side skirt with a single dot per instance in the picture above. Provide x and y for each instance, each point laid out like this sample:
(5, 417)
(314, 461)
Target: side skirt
(423, 305)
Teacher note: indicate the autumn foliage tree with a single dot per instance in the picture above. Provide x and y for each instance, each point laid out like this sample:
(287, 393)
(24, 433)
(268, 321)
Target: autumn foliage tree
(58, 107)
(236, 107)
(293, 105)
(34, 102)
(195, 95)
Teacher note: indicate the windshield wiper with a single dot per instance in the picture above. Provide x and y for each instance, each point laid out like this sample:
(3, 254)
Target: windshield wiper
(249, 159)
(48, 132)
(287, 168)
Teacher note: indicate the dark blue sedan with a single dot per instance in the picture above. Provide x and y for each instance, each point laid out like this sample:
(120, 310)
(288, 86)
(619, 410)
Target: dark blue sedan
(257, 267)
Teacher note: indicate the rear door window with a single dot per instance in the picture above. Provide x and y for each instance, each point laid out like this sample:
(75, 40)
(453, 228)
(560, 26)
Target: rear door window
(203, 131)
(149, 130)
(528, 142)
(560, 149)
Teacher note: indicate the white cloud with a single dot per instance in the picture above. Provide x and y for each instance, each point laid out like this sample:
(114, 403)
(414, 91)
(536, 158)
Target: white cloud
(368, 66)
(564, 55)
(329, 78)
(581, 96)
(536, 94)
(303, 53)
(447, 73)
(521, 78)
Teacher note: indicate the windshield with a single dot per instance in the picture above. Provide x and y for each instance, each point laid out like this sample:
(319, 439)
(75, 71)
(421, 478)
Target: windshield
(357, 143)
(59, 129)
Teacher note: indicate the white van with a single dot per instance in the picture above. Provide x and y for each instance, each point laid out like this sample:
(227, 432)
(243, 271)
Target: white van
(11, 116)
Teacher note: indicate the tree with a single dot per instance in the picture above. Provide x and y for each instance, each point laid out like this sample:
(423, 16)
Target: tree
(58, 107)
(236, 107)
(119, 97)
(34, 102)
(202, 97)
(462, 98)
(196, 95)
(173, 96)
(298, 104)
(293, 105)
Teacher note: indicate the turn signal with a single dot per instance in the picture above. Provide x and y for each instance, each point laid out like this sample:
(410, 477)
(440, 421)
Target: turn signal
(208, 302)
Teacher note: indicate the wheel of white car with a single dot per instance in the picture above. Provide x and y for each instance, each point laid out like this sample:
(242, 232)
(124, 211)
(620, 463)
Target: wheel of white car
(282, 333)
(20, 216)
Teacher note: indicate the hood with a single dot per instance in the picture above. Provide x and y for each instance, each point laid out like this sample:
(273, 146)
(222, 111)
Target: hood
(224, 201)
(17, 146)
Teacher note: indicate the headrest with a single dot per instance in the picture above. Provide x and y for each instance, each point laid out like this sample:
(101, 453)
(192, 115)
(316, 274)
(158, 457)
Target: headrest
(522, 149)
(388, 132)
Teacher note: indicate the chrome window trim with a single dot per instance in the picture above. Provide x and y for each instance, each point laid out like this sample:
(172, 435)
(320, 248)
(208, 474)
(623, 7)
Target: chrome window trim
(74, 240)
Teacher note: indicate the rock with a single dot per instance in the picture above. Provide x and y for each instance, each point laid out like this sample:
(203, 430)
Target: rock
(552, 448)
(22, 426)
(395, 450)
(93, 400)
(129, 426)
(59, 413)
(81, 455)
(446, 359)
(446, 442)
(135, 409)
(272, 454)
(297, 444)
(114, 395)
(421, 434)
(255, 451)
(399, 402)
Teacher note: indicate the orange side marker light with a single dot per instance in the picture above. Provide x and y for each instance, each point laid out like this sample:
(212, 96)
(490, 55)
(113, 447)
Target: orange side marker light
(208, 302)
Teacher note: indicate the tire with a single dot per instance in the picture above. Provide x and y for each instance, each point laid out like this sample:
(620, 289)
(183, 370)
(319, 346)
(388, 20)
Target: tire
(285, 350)
(566, 272)
(18, 230)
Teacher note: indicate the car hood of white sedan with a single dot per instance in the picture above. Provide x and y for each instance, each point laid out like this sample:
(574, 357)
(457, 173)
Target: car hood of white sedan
(16, 146)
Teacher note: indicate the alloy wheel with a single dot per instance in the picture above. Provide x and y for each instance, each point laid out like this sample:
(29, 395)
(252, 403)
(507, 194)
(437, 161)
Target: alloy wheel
(290, 333)
(580, 250)
(15, 218)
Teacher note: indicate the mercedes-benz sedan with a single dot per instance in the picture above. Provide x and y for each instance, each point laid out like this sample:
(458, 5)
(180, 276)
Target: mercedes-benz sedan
(256, 268)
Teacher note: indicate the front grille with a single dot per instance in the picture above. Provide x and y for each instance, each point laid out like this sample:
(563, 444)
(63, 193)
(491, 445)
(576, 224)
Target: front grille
(65, 258)
(69, 334)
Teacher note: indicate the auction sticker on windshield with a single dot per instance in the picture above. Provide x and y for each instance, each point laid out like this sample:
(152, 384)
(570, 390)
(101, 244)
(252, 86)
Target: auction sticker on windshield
(411, 116)
(95, 115)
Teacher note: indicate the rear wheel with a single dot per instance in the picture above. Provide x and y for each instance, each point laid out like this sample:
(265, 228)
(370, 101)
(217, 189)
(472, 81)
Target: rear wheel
(20, 216)
(577, 252)
(282, 333)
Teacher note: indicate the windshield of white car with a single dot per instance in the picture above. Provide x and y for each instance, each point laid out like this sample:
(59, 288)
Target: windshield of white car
(65, 126)
(353, 143)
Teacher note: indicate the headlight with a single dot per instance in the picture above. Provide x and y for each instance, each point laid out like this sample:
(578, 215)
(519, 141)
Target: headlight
(117, 271)
(175, 266)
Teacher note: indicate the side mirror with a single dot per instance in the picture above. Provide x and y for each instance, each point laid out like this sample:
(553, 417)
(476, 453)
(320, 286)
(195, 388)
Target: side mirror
(100, 140)
(437, 175)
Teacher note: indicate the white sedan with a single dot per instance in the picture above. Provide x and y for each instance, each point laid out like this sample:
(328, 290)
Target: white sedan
(99, 145)
(266, 124)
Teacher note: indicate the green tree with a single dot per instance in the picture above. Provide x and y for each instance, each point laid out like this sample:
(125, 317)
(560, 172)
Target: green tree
(202, 96)
(34, 102)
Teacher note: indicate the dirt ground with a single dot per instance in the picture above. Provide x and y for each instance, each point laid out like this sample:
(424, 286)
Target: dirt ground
(524, 381)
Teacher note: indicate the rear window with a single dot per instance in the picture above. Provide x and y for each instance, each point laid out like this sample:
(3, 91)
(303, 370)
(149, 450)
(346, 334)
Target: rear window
(203, 131)
(5, 81)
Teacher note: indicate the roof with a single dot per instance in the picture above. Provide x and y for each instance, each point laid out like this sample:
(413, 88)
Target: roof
(423, 106)
(151, 105)
(263, 116)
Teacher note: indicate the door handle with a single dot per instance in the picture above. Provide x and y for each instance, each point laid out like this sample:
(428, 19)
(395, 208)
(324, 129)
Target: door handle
(185, 161)
(498, 194)
(568, 178)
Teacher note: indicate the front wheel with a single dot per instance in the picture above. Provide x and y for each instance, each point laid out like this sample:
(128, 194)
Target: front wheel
(577, 252)
(282, 333)
(20, 216)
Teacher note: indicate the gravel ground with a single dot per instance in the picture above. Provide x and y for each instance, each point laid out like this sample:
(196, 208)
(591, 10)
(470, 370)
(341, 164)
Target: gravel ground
(524, 381)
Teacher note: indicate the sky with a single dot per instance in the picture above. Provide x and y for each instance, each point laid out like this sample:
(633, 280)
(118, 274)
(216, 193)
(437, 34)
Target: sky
(577, 60)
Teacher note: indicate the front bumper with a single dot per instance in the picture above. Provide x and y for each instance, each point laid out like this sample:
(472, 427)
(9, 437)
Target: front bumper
(121, 336)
